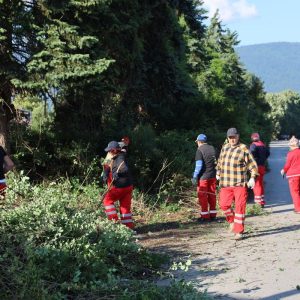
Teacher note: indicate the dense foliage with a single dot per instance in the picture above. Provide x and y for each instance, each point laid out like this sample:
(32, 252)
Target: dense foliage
(55, 243)
(284, 114)
(152, 70)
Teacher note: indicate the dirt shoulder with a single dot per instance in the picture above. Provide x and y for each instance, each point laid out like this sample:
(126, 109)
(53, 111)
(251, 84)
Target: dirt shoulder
(264, 265)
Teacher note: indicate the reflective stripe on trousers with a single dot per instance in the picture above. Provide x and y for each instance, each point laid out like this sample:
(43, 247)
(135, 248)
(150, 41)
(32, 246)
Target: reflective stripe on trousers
(238, 195)
(123, 195)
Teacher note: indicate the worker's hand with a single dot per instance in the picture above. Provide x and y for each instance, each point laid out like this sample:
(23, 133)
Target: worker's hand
(218, 177)
(194, 181)
(251, 183)
(282, 173)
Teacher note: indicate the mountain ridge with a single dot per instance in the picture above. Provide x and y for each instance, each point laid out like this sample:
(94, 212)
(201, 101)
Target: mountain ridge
(277, 64)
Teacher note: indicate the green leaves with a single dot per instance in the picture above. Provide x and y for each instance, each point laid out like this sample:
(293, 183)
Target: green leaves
(87, 42)
(284, 112)
(108, 67)
(55, 232)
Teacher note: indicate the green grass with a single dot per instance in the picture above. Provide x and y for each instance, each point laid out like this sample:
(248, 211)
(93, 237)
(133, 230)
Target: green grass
(255, 210)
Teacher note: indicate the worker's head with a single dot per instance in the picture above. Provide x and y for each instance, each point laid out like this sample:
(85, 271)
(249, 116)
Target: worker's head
(113, 147)
(255, 137)
(233, 136)
(124, 143)
(125, 140)
(294, 142)
(201, 139)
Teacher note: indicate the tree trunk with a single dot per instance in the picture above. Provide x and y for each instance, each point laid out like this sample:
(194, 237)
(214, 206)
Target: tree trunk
(6, 70)
(6, 112)
(4, 133)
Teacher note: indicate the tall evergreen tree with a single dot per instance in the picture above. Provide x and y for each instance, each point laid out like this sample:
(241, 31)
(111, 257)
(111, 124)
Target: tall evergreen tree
(141, 43)
(68, 65)
(222, 81)
(257, 107)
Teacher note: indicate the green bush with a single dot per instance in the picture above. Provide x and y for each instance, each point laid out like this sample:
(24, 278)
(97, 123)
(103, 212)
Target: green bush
(158, 161)
(55, 243)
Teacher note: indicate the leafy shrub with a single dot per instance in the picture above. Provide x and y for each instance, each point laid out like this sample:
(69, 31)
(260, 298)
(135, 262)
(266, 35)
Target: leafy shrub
(55, 243)
(254, 210)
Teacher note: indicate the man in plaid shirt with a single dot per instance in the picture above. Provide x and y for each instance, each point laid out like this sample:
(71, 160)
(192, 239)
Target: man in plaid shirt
(234, 164)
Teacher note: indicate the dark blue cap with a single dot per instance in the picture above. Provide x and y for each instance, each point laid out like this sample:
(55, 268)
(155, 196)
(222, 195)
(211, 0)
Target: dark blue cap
(111, 146)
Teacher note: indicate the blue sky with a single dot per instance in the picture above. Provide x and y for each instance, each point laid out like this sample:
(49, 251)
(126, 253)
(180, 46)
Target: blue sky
(259, 21)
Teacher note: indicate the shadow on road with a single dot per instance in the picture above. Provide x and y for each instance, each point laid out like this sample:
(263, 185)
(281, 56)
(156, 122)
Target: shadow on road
(156, 227)
(274, 231)
(278, 296)
(282, 295)
(282, 211)
(162, 226)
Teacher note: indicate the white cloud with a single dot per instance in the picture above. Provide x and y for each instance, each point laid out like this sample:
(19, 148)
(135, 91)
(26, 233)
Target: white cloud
(231, 9)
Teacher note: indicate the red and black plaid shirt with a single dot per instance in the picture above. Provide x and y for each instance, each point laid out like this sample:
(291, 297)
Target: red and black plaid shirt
(234, 164)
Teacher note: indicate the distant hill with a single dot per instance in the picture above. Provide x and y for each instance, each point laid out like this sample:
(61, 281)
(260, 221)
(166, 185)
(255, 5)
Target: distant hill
(276, 64)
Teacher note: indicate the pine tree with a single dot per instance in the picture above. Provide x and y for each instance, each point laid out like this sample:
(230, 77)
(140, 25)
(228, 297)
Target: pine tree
(222, 81)
(68, 64)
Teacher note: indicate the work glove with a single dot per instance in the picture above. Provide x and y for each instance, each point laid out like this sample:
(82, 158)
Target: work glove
(282, 173)
(251, 183)
(218, 177)
(194, 181)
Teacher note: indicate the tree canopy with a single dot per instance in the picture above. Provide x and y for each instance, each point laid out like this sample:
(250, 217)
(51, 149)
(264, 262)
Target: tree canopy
(104, 68)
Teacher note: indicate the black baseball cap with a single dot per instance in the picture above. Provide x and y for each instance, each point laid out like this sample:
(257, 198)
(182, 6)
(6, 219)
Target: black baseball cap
(232, 132)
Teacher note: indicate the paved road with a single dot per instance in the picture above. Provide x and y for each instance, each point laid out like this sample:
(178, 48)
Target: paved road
(266, 264)
(277, 191)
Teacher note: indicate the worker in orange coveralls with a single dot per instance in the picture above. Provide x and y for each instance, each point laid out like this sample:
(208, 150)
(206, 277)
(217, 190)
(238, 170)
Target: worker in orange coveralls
(260, 153)
(204, 177)
(119, 185)
(292, 171)
(234, 164)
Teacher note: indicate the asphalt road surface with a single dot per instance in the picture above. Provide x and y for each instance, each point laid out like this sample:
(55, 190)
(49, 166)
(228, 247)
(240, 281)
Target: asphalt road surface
(276, 188)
